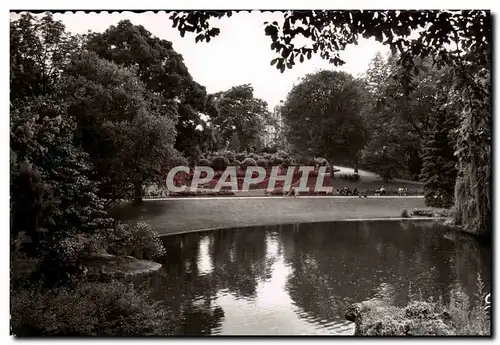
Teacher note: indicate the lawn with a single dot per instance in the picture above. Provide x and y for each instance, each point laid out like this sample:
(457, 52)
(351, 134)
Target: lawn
(190, 214)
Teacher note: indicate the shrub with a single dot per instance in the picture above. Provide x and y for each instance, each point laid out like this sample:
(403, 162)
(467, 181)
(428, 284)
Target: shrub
(204, 163)
(54, 200)
(240, 156)
(438, 198)
(230, 155)
(267, 156)
(287, 162)
(282, 154)
(405, 214)
(276, 160)
(138, 240)
(89, 309)
(269, 149)
(263, 163)
(254, 156)
(236, 163)
(220, 163)
(204, 192)
(431, 212)
(301, 160)
(421, 317)
(470, 320)
(248, 162)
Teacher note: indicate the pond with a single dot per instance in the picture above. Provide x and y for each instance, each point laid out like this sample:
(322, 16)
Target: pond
(300, 278)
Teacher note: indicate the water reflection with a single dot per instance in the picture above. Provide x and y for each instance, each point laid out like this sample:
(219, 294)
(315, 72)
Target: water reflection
(292, 279)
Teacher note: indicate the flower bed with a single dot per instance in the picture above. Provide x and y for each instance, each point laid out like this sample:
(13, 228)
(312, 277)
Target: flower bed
(201, 193)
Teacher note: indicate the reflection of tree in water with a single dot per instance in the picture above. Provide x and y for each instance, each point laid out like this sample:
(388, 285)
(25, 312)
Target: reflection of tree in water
(189, 294)
(470, 258)
(240, 260)
(339, 263)
(323, 282)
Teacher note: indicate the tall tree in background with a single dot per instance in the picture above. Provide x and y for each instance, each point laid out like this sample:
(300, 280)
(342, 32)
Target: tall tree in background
(241, 113)
(398, 117)
(323, 116)
(403, 125)
(439, 171)
(164, 73)
(390, 137)
(235, 142)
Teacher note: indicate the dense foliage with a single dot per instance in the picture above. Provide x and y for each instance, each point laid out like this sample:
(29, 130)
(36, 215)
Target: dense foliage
(126, 131)
(241, 117)
(84, 132)
(400, 122)
(323, 116)
(438, 170)
(163, 73)
(91, 309)
(53, 201)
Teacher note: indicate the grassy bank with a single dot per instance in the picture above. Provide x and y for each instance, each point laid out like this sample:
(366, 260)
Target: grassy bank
(181, 215)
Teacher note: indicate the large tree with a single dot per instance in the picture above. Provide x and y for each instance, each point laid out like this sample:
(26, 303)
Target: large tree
(128, 132)
(242, 114)
(398, 118)
(163, 72)
(459, 39)
(322, 115)
(391, 140)
(439, 171)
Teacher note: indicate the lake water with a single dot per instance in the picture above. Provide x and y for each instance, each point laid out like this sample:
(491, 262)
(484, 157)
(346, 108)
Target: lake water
(300, 279)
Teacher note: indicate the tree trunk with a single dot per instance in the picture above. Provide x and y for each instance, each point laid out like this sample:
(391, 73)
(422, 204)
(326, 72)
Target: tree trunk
(137, 192)
(473, 183)
(472, 198)
(355, 163)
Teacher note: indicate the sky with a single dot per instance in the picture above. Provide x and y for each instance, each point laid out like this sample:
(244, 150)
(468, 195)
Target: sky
(241, 54)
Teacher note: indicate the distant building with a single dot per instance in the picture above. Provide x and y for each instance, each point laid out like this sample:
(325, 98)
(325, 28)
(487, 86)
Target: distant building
(274, 128)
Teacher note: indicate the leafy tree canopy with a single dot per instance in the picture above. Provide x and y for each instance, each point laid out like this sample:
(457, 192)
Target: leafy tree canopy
(39, 50)
(163, 72)
(240, 113)
(447, 36)
(127, 131)
(322, 116)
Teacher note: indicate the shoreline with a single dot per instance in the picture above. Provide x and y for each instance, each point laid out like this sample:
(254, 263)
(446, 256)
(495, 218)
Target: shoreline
(332, 221)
